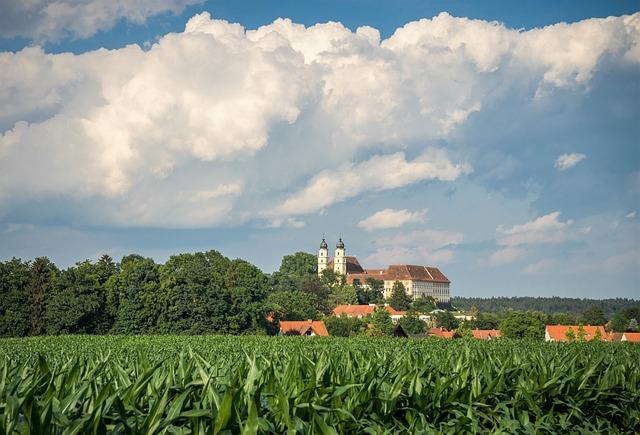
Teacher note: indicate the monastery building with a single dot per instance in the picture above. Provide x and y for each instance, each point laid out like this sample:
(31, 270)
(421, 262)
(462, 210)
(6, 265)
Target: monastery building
(420, 281)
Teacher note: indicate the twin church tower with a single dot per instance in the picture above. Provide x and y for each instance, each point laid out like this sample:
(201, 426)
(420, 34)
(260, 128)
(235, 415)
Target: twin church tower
(339, 261)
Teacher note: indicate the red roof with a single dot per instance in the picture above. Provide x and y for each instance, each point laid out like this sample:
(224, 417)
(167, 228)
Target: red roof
(303, 327)
(486, 334)
(632, 337)
(559, 332)
(353, 265)
(362, 310)
(401, 272)
(441, 332)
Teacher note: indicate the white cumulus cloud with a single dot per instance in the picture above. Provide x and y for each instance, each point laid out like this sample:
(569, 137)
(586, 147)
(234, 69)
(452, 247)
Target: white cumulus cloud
(390, 218)
(544, 229)
(300, 117)
(377, 173)
(566, 161)
(45, 20)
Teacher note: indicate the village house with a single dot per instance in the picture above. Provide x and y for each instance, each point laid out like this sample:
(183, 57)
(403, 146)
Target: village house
(574, 332)
(419, 281)
(441, 333)
(631, 337)
(303, 327)
(486, 334)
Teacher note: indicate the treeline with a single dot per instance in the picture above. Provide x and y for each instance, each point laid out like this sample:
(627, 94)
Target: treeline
(197, 293)
(548, 305)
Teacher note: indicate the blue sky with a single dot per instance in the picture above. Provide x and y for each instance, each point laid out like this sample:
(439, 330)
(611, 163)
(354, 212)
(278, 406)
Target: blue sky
(495, 140)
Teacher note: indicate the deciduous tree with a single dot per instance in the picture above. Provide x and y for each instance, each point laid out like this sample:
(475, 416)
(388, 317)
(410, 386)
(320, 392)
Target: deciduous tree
(399, 299)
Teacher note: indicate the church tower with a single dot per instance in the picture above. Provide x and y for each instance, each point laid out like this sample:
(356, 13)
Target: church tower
(339, 260)
(323, 257)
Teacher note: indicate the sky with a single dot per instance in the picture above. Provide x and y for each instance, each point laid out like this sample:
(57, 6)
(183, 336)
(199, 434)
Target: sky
(497, 141)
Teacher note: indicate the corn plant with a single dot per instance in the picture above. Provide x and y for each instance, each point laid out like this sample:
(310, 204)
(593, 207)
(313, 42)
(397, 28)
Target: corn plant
(229, 385)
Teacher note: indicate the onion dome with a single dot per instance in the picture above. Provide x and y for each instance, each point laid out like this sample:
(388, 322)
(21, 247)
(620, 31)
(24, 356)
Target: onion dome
(340, 243)
(323, 245)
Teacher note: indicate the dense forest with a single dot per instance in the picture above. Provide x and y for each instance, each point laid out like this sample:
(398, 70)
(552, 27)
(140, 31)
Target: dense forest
(548, 305)
(197, 293)
(206, 292)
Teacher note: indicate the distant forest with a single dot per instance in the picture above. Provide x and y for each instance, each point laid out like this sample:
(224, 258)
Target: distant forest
(544, 304)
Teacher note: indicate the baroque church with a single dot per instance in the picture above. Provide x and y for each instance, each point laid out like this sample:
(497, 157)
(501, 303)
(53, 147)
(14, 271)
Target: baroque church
(420, 281)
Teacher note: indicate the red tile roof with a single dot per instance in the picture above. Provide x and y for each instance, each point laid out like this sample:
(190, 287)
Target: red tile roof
(400, 272)
(441, 332)
(632, 337)
(303, 327)
(486, 334)
(362, 310)
(353, 265)
(559, 332)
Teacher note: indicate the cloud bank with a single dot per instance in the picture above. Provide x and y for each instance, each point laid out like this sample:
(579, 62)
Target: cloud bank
(389, 218)
(52, 20)
(219, 125)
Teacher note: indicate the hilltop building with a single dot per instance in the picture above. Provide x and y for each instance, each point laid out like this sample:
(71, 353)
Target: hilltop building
(420, 281)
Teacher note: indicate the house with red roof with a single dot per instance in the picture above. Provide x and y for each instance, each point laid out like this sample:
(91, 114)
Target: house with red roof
(574, 332)
(631, 337)
(486, 334)
(441, 333)
(419, 281)
(303, 327)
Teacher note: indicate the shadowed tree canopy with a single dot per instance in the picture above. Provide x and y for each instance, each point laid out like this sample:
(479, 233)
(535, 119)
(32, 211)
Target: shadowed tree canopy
(78, 303)
(42, 275)
(529, 325)
(14, 308)
(399, 299)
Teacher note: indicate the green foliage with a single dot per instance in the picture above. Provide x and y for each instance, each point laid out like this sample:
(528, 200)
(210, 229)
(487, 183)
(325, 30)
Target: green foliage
(528, 325)
(41, 280)
(412, 324)
(370, 292)
(464, 331)
(78, 303)
(485, 321)
(14, 298)
(622, 321)
(381, 323)
(399, 299)
(300, 264)
(446, 320)
(619, 323)
(229, 385)
(133, 296)
(424, 304)
(548, 305)
(593, 316)
(342, 294)
(563, 319)
(344, 326)
(295, 305)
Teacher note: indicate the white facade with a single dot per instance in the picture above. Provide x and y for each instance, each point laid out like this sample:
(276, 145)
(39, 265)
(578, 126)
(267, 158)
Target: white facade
(418, 289)
(323, 258)
(339, 259)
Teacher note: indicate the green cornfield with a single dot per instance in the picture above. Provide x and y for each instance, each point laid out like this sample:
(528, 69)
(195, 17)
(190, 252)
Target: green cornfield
(227, 384)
